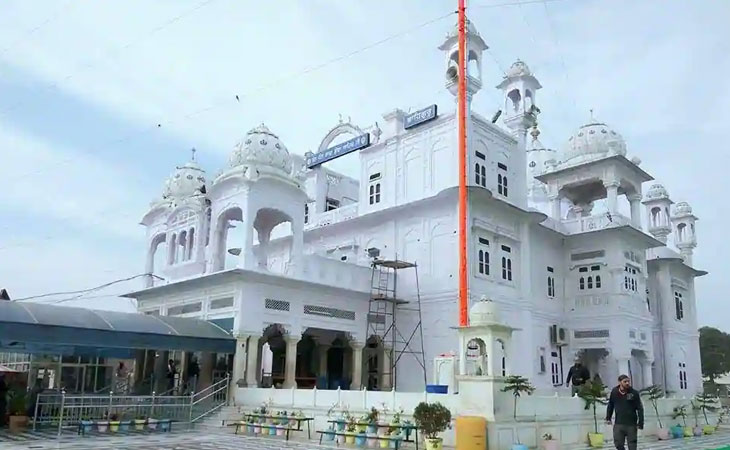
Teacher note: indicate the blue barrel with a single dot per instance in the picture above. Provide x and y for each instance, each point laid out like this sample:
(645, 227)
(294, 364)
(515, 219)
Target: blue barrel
(437, 389)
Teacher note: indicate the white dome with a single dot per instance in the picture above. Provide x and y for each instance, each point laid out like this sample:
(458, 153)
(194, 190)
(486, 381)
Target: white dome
(483, 312)
(682, 209)
(594, 140)
(261, 147)
(517, 69)
(656, 192)
(186, 181)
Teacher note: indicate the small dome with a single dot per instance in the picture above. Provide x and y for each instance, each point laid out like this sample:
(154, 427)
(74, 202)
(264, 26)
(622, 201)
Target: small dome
(517, 69)
(483, 312)
(682, 209)
(470, 29)
(187, 180)
(594, 139)
(261, 147)
(656, 192)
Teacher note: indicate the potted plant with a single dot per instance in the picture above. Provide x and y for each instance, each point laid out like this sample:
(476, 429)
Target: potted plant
(86, 425)
(517, 385)
(152, 423)
(165, 424)
(17, 420)
(372, 420)
(397, 437)
(140, 422)
(678, 430)
(124, 425)
(548, 443)
(350, 430)
(593, 394)
(102, 425)
(114, 423)
(329, 433)
(654, 393)
(697, 429)
(407, 427)
(432, 419)
(708, 402)
(384, 442)
(361, 438)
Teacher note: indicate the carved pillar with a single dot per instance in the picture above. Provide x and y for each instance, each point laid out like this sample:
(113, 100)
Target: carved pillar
(322, 350)
(646, 371)
(622, 365)
(239, 359)
(611, 195)
(555, 211)
(263, 256)
(635, 202)
(252, 359)
(356, 365)
(207, 363)
(291, 360)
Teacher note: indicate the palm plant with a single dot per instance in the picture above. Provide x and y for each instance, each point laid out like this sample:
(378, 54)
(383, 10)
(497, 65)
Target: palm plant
(654, 392)
(517, 385)
(680, 411)
(706, 402)
(593, 394)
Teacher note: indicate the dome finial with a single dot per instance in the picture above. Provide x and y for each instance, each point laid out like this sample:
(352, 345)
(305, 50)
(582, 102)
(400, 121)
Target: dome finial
(192, 157)
(593, 119)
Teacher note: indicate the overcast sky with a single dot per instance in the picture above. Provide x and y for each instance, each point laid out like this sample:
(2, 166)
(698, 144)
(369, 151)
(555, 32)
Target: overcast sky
(100, 100)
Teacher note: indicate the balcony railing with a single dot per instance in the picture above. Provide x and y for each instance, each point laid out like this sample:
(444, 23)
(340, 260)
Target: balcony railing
(330, 217)
(595, 223)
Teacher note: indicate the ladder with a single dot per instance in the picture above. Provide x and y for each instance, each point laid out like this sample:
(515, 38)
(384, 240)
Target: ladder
(384, 310)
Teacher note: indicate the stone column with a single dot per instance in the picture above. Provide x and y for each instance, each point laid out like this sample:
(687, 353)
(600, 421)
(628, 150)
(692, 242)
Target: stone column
(207, 363)
(555, 211)
(635, 202)
(611, 195)
(646, 371)
(252, 361)
(291, 360)
(386, 375)
(160, 372)
(139, 360)
(239, 360)
(322, 350)
(297, 247)
(622, 365)
(357, 347)
(493, 361)
(263, 256)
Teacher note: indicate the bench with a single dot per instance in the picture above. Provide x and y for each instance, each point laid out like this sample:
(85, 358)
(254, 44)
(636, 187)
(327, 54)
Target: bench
(397, 441)
(240, 423)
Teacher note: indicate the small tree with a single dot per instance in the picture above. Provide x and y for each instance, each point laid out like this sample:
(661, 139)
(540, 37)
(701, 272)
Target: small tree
(517, 385)
(432, 419)
(654, 393)
(680, 411)
(593, 394)
(706, 402)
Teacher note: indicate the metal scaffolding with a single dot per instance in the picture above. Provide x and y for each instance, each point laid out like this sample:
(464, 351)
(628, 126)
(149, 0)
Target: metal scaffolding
(385, 310)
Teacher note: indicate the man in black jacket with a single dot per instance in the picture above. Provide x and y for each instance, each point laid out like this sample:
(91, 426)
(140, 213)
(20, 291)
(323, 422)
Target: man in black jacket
(626, 401)
(578, 374)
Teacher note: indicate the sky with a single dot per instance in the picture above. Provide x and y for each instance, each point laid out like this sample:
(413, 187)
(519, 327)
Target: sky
(99, 101)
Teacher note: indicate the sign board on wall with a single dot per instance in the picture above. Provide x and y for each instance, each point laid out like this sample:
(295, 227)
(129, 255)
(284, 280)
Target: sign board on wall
(420, 117)
(356, 143)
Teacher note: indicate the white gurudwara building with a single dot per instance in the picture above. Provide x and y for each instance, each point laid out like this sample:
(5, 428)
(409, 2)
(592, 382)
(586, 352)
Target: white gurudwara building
(332, 281)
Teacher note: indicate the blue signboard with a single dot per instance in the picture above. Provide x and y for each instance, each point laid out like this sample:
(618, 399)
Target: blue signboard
(419, 117)
(338, 150)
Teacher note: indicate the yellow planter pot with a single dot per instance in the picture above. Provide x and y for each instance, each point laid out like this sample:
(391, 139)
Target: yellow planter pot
(350, 439)
(708, 429)
(384, 443)
(434, 444)
(595, 440)
(114, 426)
(688, 432)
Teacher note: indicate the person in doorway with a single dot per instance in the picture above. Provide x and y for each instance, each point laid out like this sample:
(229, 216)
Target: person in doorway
(121, 379)
(626, 402)
(578, 375)
(3, 399)
(193, 373)
(33, 398)
(171, 371)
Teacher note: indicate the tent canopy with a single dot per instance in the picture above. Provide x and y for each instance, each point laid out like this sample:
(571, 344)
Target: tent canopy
(42, 328)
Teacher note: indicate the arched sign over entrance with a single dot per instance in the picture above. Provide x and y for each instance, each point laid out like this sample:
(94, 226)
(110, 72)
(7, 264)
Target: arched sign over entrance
(360, 140)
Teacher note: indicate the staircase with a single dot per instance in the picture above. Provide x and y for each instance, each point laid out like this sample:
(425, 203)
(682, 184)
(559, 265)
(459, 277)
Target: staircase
(220, 418)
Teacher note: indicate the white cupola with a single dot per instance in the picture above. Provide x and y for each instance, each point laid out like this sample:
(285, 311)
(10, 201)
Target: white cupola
(263, 153)
(475, 46)
(187, 181)
(657, 203)
(684, 230)
(519, 86)
(594, 140)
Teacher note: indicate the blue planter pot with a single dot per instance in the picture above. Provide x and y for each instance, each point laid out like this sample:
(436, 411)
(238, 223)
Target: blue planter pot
(329, 435)
(340, 425)
(360, 440)
(372, 429)
(87, 426)
(677, 432)
(519, 447)
(165, 425)
(124, 425)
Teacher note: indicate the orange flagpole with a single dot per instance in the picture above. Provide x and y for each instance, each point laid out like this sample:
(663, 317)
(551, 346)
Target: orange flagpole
(461, 105)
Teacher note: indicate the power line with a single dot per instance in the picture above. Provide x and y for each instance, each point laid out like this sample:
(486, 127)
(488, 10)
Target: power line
(116, 51)
(514, 3)
(82, 291)
(229, 99)
(33, 30)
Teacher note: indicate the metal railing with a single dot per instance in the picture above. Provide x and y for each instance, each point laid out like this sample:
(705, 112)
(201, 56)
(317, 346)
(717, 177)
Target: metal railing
(66, 411)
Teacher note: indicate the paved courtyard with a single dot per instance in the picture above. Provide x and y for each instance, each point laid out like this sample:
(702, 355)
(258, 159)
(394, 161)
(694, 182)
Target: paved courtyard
(211, 439)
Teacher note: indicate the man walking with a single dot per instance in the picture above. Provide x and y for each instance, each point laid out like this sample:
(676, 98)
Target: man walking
(626, 401)
(578, 374)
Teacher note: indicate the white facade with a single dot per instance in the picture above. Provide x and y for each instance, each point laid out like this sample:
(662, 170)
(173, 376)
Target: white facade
(550, 243)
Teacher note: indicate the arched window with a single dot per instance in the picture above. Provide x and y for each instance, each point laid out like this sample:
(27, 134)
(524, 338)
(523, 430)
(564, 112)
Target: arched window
(681, 231)
(655, 219)
(598, 281)
(582, 283)
(515, 97)
(590, 282)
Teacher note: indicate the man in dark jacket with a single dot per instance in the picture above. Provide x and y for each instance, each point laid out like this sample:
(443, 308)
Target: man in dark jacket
(578, 374)
(626, 401)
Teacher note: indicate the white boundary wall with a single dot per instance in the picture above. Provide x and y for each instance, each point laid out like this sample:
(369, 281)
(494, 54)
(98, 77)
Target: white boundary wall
(564, 417)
